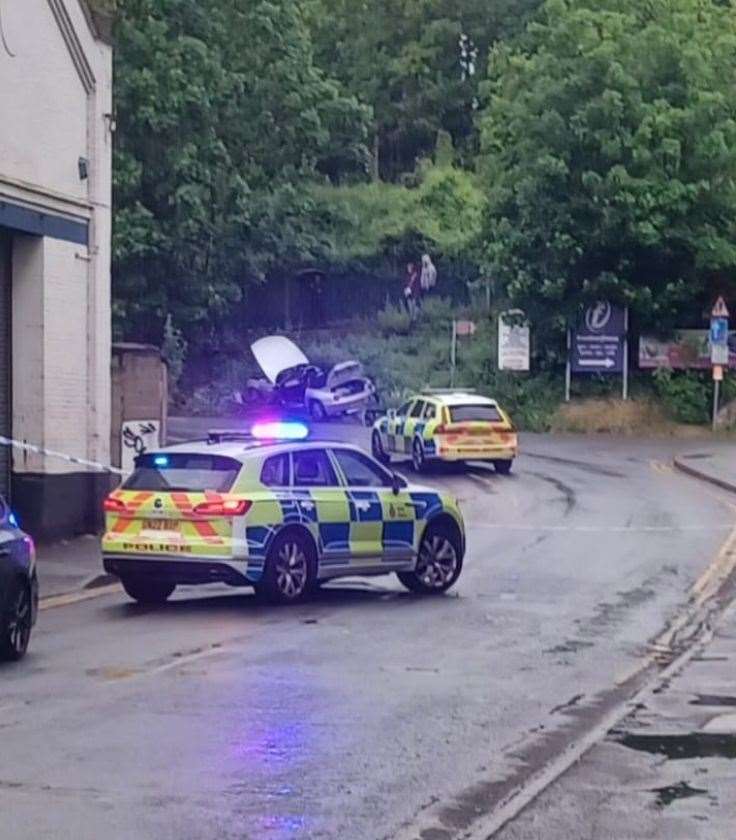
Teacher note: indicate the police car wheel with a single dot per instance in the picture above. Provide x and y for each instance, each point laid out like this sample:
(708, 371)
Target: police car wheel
(290, 573)
(148, 591)
(15, 632)
(379, 453)
(503, 467)
(439, 563)
(418, 460)
(317, 410)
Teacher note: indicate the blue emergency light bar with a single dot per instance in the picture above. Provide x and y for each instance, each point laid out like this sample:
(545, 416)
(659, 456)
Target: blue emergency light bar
(280, 430)
(161, 461)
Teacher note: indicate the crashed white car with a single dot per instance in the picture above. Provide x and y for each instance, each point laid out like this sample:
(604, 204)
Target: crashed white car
(292, 381)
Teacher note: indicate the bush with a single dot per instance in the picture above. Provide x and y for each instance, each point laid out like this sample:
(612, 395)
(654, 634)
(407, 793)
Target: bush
(613, 416)
(685, 395)
(393, 320)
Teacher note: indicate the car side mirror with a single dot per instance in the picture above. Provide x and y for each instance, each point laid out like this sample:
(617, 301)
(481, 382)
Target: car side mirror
(391, 414)
(397, 483)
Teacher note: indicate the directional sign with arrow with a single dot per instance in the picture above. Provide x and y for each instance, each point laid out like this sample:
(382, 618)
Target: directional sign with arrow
(598, 342)
(597, 363)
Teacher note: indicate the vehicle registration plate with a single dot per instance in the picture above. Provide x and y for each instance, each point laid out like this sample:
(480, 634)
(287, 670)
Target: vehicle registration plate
(160, 525)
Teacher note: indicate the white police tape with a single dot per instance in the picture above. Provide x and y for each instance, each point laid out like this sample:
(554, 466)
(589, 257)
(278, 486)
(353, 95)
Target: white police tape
(51, 453)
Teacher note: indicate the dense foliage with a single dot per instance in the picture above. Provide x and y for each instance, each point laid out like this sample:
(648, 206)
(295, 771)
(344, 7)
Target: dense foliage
(223, 118)
(608, 158)
(441, 214)
(417, 63)
(550, 152)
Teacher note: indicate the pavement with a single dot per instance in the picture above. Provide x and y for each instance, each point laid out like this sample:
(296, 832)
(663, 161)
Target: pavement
(668, 769)
(70, 566)
(591, 612)
(716, 465)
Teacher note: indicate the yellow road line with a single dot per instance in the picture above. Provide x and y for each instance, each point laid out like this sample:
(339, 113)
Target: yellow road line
(54, 601)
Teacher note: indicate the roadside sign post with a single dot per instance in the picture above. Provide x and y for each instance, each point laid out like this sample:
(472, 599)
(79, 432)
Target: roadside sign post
(599, 344)
(718, 349)
(717, 377)
(459, 328)
(625, 386)
(453, 353)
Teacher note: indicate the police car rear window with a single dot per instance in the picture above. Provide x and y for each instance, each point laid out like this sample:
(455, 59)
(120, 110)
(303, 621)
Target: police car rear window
(475, 413)
(181, 471)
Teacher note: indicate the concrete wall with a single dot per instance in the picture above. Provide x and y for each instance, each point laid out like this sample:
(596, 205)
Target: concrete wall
(139, 391)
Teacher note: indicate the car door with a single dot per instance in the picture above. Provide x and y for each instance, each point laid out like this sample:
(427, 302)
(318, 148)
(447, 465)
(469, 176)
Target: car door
(395, 430)
(317, 496)
(430, 423)
(414, 425)
(381, 521)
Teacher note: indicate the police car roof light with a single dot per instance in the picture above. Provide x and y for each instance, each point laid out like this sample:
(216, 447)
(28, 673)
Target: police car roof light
(223, 436)
(449, 391)
(276, 430)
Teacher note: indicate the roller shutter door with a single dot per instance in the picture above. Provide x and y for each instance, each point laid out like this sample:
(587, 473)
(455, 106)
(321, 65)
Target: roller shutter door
(6, 415)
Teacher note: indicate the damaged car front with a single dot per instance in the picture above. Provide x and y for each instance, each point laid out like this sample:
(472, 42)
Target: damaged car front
(345, 389)
(293, 381)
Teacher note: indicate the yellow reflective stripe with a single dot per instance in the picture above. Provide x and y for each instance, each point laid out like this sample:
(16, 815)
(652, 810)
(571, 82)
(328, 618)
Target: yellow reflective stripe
(366, 539)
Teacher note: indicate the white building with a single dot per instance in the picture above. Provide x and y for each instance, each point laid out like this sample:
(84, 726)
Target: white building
(56, 128)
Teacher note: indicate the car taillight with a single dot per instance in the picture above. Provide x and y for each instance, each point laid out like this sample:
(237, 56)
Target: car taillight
(113, 505)
(224, 507)
(440, 430)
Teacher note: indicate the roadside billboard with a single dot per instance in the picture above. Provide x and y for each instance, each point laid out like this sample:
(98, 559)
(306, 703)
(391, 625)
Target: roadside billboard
(686, 350)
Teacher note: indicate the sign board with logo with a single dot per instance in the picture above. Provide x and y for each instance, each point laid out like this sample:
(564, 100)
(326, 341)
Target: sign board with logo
(597, 345)
(136, 437)
(513, 344)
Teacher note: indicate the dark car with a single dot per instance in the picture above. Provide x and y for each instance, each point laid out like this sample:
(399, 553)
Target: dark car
(18, 587)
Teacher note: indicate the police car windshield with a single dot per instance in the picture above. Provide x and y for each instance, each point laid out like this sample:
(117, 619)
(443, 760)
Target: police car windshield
(475, 413)
(187, 472)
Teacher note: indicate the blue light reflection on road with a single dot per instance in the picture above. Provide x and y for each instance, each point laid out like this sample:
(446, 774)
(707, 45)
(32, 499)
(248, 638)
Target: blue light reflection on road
(273, 742)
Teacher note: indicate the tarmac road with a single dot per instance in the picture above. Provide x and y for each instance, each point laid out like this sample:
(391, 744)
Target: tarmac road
(368, 713)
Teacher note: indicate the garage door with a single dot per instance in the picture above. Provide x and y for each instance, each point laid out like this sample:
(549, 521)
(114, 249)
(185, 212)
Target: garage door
(5, 361)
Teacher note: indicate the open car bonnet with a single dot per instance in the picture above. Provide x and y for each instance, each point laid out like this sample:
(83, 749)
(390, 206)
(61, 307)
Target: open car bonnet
(276, 353)
(344, 372)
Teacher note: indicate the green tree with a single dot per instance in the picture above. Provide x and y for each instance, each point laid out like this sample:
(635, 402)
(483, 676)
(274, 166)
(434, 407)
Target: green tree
(417, 63)
(389, 223)
(608, 157)
(223, 120)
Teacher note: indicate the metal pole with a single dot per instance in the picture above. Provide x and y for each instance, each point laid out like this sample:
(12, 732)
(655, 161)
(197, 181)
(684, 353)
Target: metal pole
(453, 354)
(626, 354)
(716, 388)
(568, 371)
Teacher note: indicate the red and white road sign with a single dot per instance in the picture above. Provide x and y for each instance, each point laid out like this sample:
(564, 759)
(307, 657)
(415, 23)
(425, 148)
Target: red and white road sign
(720, 310)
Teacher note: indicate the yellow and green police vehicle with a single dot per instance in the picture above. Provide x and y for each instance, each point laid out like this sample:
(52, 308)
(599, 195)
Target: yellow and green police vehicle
(278, 515)
(447, 426)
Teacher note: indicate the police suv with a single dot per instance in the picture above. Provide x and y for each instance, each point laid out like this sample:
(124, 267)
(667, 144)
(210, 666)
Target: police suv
(278, 515)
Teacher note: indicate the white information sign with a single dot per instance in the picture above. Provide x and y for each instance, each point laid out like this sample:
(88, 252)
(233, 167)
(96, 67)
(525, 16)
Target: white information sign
(513, 345)
(136, 437)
